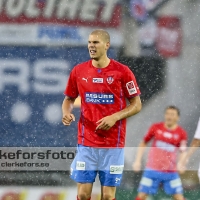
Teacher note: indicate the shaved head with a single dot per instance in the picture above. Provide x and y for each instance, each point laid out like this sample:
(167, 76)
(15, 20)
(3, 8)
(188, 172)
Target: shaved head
(98, 44)
(102, 33)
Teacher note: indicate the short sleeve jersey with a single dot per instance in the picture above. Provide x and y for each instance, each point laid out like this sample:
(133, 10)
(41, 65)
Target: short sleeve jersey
(165, 146)
(103, 92)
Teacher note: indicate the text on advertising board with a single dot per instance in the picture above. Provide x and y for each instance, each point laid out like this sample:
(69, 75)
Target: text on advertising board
(86, 12)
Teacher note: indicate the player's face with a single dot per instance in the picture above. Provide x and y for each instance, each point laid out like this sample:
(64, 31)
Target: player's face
(97, 46)
(171, 117)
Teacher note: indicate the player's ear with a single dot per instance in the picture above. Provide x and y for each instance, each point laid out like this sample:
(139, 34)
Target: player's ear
(107, 45)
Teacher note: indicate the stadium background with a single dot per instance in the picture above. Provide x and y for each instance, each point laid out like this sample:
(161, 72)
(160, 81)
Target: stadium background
(40, 42)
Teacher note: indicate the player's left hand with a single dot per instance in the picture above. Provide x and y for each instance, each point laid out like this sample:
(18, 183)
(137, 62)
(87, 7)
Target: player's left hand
(106, 122)
(181, 167)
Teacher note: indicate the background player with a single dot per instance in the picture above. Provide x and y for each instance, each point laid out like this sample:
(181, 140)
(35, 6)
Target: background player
(103, 85)
(167, 138)
(193, 147)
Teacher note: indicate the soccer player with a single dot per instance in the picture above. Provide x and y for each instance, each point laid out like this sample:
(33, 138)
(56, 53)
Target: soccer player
(167, 138)
(103, 85)
(193, 147)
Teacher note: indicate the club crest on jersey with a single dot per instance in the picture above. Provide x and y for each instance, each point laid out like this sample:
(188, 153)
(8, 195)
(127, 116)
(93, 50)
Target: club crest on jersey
(110, 80)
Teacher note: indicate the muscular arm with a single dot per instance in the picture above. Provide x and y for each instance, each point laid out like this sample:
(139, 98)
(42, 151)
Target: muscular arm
(133, 108)
(193, 147)
(67, 107)
(186, 155)
(180, 166)
(140, 152)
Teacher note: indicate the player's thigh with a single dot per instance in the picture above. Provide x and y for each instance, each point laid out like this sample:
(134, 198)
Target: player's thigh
(84, 190)
(199, 174)
(178, 197)
(149, 182)
(107, 192)
(84, 165)
(173, 185)
(111, 166)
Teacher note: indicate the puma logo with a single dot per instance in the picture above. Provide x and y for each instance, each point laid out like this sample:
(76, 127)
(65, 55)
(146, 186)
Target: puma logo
(85, 79)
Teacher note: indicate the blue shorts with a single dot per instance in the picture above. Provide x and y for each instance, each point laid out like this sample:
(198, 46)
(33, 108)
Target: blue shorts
(107, 162)
(151, 180)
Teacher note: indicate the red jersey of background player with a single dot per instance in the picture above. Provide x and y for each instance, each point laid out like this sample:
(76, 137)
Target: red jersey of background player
(103, 92)
(165, 146)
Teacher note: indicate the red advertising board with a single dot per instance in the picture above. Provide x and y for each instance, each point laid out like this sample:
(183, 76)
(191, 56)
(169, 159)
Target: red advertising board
(70, 12)
(169, 36)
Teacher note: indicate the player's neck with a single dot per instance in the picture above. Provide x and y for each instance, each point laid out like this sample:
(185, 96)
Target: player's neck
(171, 127)
(101, 63)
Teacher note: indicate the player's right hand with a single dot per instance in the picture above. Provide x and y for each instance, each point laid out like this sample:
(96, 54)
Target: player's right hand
(67, 119)
(136, 166)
